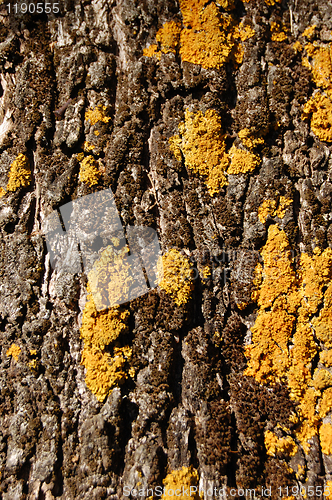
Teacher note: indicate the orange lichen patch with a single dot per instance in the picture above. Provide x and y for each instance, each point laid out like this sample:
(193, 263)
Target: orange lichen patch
(316, 273)
(106, 362)
(181, 480)
(104, 372)
(97, 115)
(322, 379)
(169, 37)
(272, 208)
(319, 107)
(33, 365)
(283, 337)
(87, 146)
(175, 146)
(266, 209)
(152, 51)
(110, 279)
(209, 38)
(100, 330)
(277, 33)
(283, 204)
(325, 437)
(325, 404)
(89, 172)
(242, 161)
(300, 471)
(202, 143)
(176, 272)
(19, 174)
(249, 139)
(297, 47)
(309, 32)
(326, 357)
(206, 272)
(323, 324)
(14, 351)
(319, 61)
(226, 4)
(245, 32)
(275, 445)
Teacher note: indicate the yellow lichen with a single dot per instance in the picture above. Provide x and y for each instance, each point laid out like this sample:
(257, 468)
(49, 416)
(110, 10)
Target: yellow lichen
(322, 379)
(33, 352)
(87, 146)
(14, 351)
(152, 51)
(248, 139)
(177, 482)
(297, 47)
(283, 204)
(33, 365)
(277, 33)
(19, 174)
(206, 272)
(323, 324)
(89, 172)
(202, 143)
(242, 161)
(104, 358)
(245, 32)
(96, 132)
(176, 272)
(325, 404)
(287, 325)
(319, 108)
(325, 437)
(175, 146)
(97, 115)
(208, 37)
(300, 471)
(309, 31)
(273, 208)
(267, 209)
(274, 444)
(169, 37)
(2, 192)
(326, 357)
(100, 331)
(110, 279)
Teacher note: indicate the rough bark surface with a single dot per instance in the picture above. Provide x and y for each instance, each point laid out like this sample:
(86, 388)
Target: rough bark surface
(190, 402)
